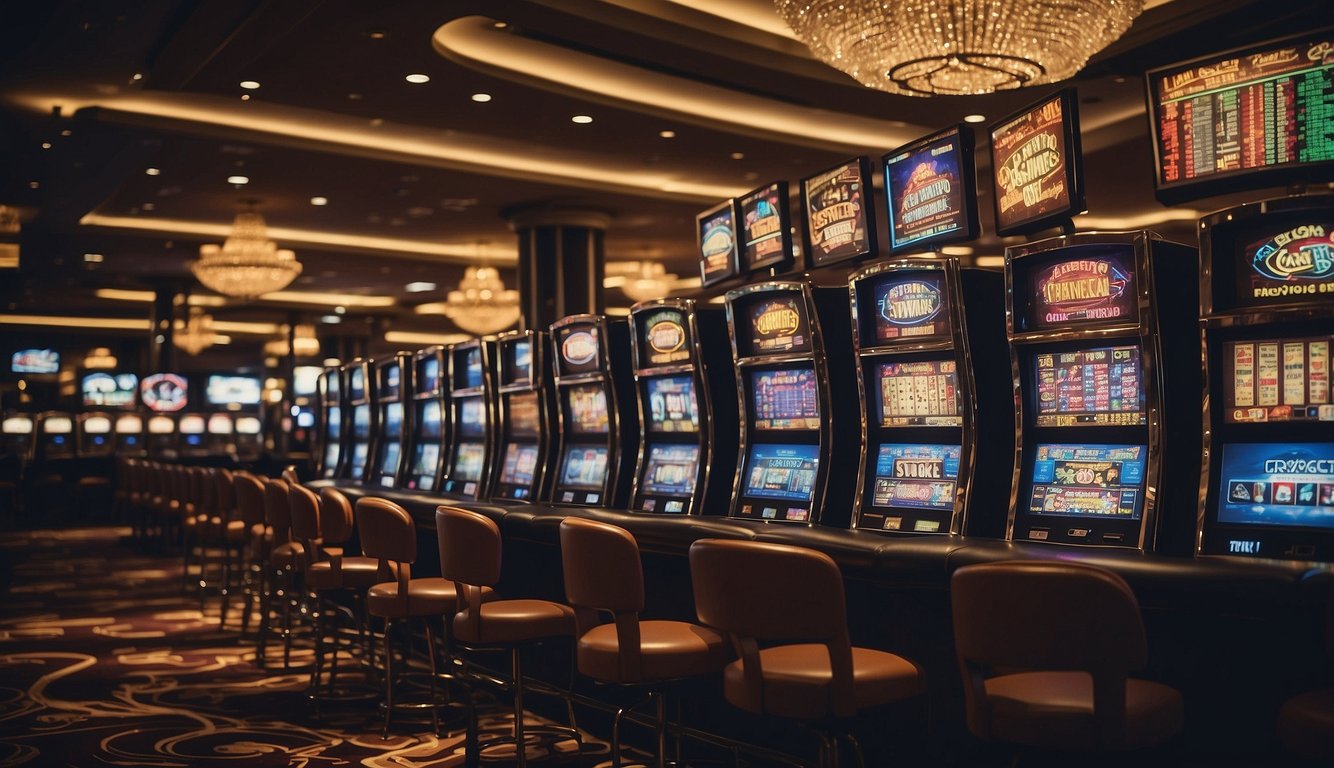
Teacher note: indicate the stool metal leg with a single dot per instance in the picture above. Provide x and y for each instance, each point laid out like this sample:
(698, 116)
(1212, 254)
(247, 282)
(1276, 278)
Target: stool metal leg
(520, 740)
(388, 676)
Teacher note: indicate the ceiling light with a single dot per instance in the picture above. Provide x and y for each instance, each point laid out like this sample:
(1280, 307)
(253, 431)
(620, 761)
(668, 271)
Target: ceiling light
(67, 132)
(974, 118)
(92, 258)
(238, 180)
(640, 280)
(424, 339)
(500, 25)
(417, 78)
(340, 310)
(248, 263)
(581, 119)
(328, 299)
(306, 343)
(319, 200)
(100, 358)
(419, 287)
(137, 76)
(152, 171)
(331, 319)
(953, 47)
(245, 97)
(34, 184)
(46, 145)
(667, 134)
(249, 85)
(195, 334)
(482, 304)
(481, 98)
(377, 34)
(989, 261)
(738, 155)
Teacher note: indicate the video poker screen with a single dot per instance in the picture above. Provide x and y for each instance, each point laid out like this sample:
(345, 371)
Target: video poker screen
(783, 399)
(468, 461)
(361, 422)
(228, 390)
(469, 375)
(838, 220)
(931, 190)
(426, 458)
(523, 414)
(389, 459)
(1094, 480)
(777, 471)
(109, 390)
(584, 467)
(519, 465)
(356, 386)
(391, 382)
(430, 425)
(671, 469)
(919, 393)
(393, 421)
(1282, 484)
(586, 409)
(472, 417)
(672, 404)
(717, 236)
(334, 423)
(1080, 285)
(519, 362)
(910, 308)
(1089, 386)
(428, 375)
(922, 476)
(1291, 265)
(1276, 380)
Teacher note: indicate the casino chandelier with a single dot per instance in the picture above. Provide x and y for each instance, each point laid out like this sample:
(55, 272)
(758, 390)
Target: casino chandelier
(957, 47)
(248, 263)
(482, 305)
(196, 334)
(306, 343)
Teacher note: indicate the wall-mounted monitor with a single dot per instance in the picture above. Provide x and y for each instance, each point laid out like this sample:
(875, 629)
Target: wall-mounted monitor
(920, 476)
(930, 188)
(1036, 162)
(109, 390)
(1076, 286)
(837, 207)
(584, 467)
(40, 361)
(164, 392)
(306, 380)
(1103, 385)
(1277, 380)
(586, 409)
(717, 238)
(784, 399)
(766, 230)
(781, 472)
(1091, 481)
(1248, 118)
(580, 348)
(909, 307)
(1277, 484)
(670, 469)
(918, 393)
(672, 404)
(222, 390)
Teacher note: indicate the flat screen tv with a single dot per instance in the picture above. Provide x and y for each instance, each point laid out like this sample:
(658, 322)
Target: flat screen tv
(109, 390)
(1037, 166)
(41, 361)
(717, 240)
(838, 218)
(224, 390)
(930, 188)
(766, 239)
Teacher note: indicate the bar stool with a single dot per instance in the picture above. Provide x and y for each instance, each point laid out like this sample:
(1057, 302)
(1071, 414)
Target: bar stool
(1074, 692)
(249, 492)
(1306, 721)
(760, 592)
(470, 554)
(603, 574)
(281, 574)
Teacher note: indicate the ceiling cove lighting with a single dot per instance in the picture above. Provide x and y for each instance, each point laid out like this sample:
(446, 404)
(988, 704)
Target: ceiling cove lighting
(423, 339)
(120, 294)
(248, 264)
(957, 47)
(78, 323)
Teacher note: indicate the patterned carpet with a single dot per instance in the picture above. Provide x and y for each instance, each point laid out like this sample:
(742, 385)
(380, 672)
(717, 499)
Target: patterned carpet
(103, 661)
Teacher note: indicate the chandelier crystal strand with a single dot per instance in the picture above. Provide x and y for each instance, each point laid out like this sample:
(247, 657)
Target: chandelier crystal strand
(482, 305)
(957, 47)
(248, 264)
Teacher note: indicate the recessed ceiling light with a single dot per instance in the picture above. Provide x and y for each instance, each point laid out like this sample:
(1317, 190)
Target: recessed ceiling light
(581, 119)
(481, 98)
(419, 287)
(93, 258)
(500, 25)
(46, 145)
(245, 97)
(667, 134)
(137, 76)
(319, 200)
(238, 180)
(974, 118)
(249, 85)
(738, 155)
(340, 310)
(33, 185)
(377, 34)
(67, 132)
(152, 171)
(331, 319)
(418, 78)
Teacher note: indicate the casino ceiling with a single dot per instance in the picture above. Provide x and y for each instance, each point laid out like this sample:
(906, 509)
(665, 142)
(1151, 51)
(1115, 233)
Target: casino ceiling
(122, 123)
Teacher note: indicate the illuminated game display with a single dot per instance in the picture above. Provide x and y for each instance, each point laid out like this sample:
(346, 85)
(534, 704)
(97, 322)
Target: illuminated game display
(164, 392)
(469, 470)
(580, 349)
(1293, 265)
(392, 388)
(428, 434)
(519, 361)
(1035, 161)
(913, 475)
(55, 433)
(1088, 480)
(664, 338)
(38, 361)
(331, 422)
(717, 238)
(472, 369)
(1090, 386)
(109, 390)
(333, 442)
(1097, 287)
(94, 435)
(1277, 484)
(775, 471)
(931, 192)
(836, 203)
(1270, 380)
(472, 417)
(671, 469)
(784, 399)
(428, 374)
(221, 424)
(526, 397)
(1251, 117)
(766, 240)
(910, 308)
(129, 430)
(519, 464)
(226, 390)
(192, 428)
(584, 468)
(775, 325)
(672, 404)
(361, 435)
(524, 416)
(587, 412)
(919, 393)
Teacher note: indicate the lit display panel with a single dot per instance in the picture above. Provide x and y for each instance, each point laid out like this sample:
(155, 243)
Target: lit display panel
(587, 409)
(472, 417)
(921, 393)
(1090, 386)
(919, 476)
(671, 469)
(523, 414)
(1277, 380)
(1104, 481)
(519, 465)
(468, 461)
(910, 308)
(1279, 484)
(784, 399)
(784, 472)
(672, 404)
(584, 467)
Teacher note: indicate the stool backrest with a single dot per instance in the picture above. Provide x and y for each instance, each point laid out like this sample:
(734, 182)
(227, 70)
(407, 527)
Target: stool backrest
(470, 546)
(224, 491)
(387, 531)
(304, 506)
(336, 525)
(290, 474)
(249, 498)
(277, 510)
(601, 565)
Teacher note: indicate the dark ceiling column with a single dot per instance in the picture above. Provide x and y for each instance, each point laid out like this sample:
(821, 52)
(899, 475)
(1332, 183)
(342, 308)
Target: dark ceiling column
(561, 260)
(161, 350)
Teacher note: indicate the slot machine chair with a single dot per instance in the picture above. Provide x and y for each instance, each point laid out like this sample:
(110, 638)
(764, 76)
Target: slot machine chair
(603, 574)
(1076, 693)
(1306, 721)
(255, 552)
(793, 597)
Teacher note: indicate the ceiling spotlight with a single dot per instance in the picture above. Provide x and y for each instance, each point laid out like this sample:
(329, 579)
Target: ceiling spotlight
(667, 134)
(245, 97)
(500, 25)
(46, 145)
(331, 319)
(319, 200)
(340, 310)
(92, 258)
(418, 78)
(738, 155)
(67, 132)
(34, 184)
(481, 98)
(249, 85)
(238, 180)
(137, 76)
(419, 287)
(377, 34)
(974, 118)
(581, 119)
(152, 171)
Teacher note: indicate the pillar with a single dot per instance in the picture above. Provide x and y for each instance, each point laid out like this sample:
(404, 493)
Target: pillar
(561, 261)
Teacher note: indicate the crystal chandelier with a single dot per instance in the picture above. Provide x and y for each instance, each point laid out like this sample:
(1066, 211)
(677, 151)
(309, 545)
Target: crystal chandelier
(957, 47)
(248, 263)
(305, 341)
(196, 334)
(482, 305)
(640, 280)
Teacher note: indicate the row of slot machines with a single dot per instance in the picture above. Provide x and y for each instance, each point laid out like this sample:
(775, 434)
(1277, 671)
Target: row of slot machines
(54, 435)
(1110, 389)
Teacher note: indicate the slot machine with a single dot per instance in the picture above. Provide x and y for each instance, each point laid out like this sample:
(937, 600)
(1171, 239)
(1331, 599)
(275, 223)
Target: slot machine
(129, 435)
(430, 422)
(684, 381)
(362, 419)
(227, 396)
(525, 419)
(55, 436)
(595, 402)
(17, 431)
(797, 403)
(221, 429)
(472, 414)
(333, 445)
(391, 393)
(95, 435)
(192, 429)
(161, 435)
(248, 437)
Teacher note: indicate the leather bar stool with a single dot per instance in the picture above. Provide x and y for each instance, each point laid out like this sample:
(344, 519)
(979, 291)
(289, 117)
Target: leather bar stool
(1306, 721)
(792, 598)
(389, 535)
(233, 534)
(282, 570)
(1073, 690)
(470, 555)
(603, 574)
(249, 492)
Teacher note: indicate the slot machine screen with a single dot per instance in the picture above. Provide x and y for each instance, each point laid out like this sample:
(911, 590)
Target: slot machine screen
(519, 362)
(360, 454)
(775, 471)
(331, 452)
(767, 325)
(332, 384)
(1279, 484)
(426, 458)
(391, 382)
(671, 469)
(389, 463)
(472, 417)
(305, 419)
(520, 464)
(672, 404)
(1277, 380)
(836, 203)
(586, 409)
(1089, 386)
(664, 338)
(164, 392)
(1082, 284)
(919, 393)
(1292, 265)
(909, 308)
(335, 423)
(109, 390)
(717, 238)
(356, 385)
(248, 425)
(584, 467)
(393, 421)
(35, 361)
(931, 191)
(469, 375)
(428, 375)
(129, 425)
(57, 425)
(766, 240)
(306, 380)
(429, 423)
(16, 425)
(361, 422)
(784, 399)
(97, 425)
(579, 347)
(1247, 118)
(1095, 481)
(468, 460)
(523, 414)
(221, 424)
(920, 476)
(161, 425)
(192, 427)
(229, 390)
(1035, 160)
